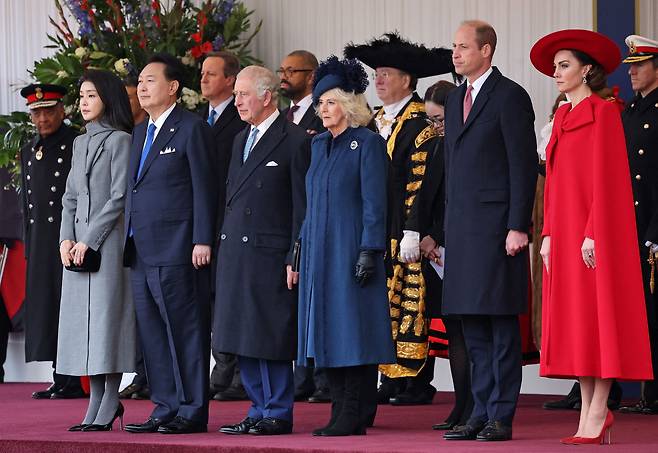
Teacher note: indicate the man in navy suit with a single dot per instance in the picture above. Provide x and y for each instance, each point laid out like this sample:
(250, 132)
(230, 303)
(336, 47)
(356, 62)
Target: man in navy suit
(218, 73)
(170, 218)
(255, 305)
(490, 170)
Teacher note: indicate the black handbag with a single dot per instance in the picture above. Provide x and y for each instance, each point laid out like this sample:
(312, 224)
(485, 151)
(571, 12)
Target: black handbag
(90, 263)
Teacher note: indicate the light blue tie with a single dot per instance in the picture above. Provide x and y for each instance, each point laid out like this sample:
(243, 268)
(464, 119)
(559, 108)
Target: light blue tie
(147, 147)
(250, 144)
(211, 117)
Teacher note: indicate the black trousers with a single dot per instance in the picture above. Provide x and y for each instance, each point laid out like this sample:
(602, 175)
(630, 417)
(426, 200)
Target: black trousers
(5, 327)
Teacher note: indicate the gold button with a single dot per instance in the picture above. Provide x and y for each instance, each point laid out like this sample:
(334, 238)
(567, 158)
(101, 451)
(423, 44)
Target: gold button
(646, 125)
(638, 177)
(637, 203)
(641, 152)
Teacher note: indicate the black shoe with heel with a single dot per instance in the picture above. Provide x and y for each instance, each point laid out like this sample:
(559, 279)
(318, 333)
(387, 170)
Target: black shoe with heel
(108, 427)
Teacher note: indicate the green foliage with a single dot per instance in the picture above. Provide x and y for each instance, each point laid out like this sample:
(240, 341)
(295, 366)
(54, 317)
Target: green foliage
(120, 36)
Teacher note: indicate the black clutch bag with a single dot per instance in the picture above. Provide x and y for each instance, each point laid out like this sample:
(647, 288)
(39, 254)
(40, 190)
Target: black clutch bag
(90, 263)
(296, 254)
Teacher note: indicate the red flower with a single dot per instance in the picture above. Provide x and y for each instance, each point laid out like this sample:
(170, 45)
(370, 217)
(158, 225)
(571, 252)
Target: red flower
(198, 51)
(155, 4)
(202, 19)
(156, 19)
(196, 37)
(84, 4)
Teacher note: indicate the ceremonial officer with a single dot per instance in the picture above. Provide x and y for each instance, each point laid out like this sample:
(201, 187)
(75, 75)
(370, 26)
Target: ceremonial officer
(45, 163)
(640, 119)
(255, 305)
(410, 140)
(218, 74)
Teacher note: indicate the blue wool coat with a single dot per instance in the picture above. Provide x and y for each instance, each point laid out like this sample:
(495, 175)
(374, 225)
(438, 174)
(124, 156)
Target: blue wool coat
(340, 323)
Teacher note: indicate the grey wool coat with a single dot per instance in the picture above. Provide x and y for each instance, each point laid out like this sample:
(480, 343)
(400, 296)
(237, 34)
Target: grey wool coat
(97, 331)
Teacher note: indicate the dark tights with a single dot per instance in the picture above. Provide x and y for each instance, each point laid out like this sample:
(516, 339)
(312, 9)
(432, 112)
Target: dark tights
(460, 371)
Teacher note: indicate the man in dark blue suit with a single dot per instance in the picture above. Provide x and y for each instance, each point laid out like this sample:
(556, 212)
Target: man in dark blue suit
(490, 168)
(170, 218)
(255, 305)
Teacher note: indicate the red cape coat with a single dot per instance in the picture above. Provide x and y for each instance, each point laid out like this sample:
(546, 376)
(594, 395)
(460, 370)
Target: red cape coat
(593, 320)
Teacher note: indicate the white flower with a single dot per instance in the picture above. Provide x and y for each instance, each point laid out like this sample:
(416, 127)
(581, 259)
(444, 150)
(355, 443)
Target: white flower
(120, 66)
(188, 59)
(81, 52)
(190, 98)
(62, 74)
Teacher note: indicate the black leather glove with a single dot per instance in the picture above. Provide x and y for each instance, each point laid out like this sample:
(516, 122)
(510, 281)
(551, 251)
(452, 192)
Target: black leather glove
(365, 266)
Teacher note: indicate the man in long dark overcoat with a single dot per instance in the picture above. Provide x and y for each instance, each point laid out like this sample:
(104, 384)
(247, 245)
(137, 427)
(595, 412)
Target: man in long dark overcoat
(255, 306)
(491, 170)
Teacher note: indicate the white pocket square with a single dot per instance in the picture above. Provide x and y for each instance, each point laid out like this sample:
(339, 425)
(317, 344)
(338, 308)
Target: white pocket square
(271, 164)
(168, 150)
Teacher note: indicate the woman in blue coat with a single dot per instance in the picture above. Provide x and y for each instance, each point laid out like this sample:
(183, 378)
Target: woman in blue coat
(343, 305)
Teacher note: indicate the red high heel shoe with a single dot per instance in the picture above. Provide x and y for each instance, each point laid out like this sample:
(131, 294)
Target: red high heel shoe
(600, 439)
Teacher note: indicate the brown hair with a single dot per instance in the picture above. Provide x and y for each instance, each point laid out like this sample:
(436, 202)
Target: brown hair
(231, 62)
(438, 92)
(596, 77)
(484, 33)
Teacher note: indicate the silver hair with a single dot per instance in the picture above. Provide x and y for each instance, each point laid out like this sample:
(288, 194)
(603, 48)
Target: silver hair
(263, 80)
(355, 106)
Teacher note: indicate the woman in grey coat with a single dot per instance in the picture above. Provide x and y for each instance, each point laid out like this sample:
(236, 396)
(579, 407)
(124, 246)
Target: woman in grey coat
(97, 318)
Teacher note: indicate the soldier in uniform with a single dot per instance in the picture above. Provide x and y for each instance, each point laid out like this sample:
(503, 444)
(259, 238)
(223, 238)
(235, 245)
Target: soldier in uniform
(402, 122)
(45, 163)
(640, 119)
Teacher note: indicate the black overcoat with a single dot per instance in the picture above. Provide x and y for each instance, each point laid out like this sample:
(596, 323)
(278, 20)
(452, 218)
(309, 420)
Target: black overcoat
(491, 171)
(43, 181)
(255, 313)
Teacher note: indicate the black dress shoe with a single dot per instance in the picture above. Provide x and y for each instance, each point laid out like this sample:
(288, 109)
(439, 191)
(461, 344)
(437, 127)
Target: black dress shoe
(495, 431)
(445, 426)
(149, 426)
(181, 425)
(240, 428)
(271, 426)
(68, 393)
(320, 396)
(642, 407)
(231, 394)
(571, 401)
(142, 394)
(413, 398)
(463, 432)
(127, 393)
(302, 396)
(45, 394)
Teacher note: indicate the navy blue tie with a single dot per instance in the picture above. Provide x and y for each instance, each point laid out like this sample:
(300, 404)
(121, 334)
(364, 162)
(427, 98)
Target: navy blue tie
(211, 117)
(147, 147)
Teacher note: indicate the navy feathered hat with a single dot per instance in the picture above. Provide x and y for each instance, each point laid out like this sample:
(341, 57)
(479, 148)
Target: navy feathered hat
(392, 51)
(348, 75)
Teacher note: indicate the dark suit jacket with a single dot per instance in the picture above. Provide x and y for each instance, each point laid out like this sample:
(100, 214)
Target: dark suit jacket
(265, 204)
(310, 121)
(491, 171)
(224, 130)
(171, 205)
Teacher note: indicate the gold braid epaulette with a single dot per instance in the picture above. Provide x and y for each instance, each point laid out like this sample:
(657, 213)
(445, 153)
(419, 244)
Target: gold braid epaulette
(412, 109)
(428, 133)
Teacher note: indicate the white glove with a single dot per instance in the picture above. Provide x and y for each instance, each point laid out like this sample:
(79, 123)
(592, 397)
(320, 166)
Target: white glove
(409, 247)
(652, 247)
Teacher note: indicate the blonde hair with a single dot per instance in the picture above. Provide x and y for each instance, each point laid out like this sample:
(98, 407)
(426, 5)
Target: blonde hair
(355, 106)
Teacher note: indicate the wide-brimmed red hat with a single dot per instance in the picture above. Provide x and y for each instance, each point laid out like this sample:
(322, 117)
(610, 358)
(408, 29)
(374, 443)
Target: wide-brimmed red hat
(599, 47)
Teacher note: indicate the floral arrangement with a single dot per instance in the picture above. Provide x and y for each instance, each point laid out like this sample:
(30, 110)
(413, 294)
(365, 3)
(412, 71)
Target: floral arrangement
(120, 36)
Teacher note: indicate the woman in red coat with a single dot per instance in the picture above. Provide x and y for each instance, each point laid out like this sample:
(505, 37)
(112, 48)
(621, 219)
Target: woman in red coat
(593, 316)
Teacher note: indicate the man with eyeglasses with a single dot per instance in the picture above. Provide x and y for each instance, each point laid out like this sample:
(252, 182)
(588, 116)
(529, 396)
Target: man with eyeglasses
(398, 65)
(296, 73)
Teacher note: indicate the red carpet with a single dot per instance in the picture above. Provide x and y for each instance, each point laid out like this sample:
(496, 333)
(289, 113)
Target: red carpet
(28, 425)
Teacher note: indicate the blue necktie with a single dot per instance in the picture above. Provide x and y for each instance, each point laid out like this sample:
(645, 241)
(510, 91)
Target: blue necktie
(147, 147)
(250, 144)
(211, 117)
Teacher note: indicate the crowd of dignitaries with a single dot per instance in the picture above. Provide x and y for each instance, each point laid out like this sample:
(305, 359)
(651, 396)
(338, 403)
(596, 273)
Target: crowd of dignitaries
(222, 213)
